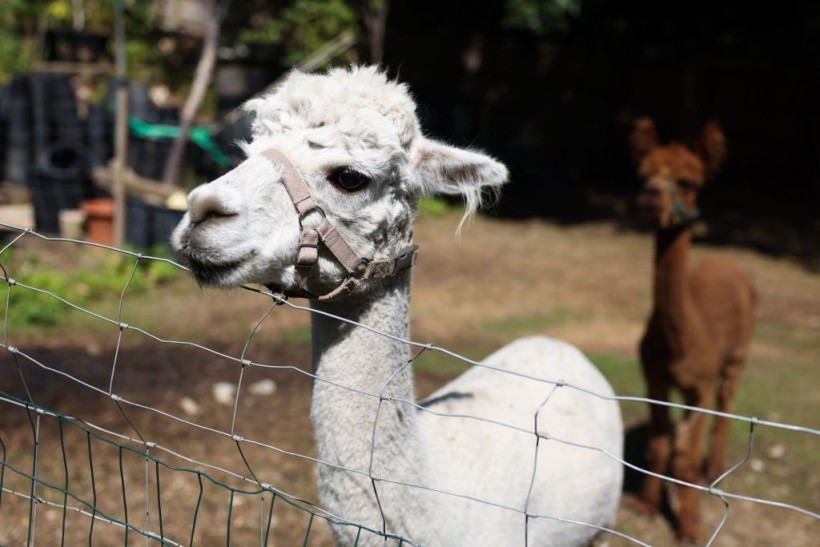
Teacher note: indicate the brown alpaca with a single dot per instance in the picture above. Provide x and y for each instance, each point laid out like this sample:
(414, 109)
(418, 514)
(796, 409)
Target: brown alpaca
(701, 322)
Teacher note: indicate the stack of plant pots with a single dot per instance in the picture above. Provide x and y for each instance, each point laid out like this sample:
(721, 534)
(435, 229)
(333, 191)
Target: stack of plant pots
(15, 114)
(46, 147)
(234, 84)
(59, 179)
(59, 182)
(154, 151)
(99, 135)
(149, 224)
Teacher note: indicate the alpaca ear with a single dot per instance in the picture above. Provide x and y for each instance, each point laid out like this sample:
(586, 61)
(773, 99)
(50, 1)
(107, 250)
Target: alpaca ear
(644, 137)
(711, 146)
(444, 169)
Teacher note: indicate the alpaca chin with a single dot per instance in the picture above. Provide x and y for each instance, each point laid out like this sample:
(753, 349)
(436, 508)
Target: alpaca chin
(227, 274)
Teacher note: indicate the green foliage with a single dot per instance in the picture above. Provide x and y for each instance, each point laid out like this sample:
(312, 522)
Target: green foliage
(159, 273)
(433, 206)
(12, 10)
(97, 15)
(31, 307)
(14, 45)
(301, 27)
(20, 21)
(296, 27)
(12, 58)
(541, 16)
(105, 279)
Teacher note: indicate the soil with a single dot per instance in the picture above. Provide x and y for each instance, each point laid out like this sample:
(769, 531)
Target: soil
(588, 284)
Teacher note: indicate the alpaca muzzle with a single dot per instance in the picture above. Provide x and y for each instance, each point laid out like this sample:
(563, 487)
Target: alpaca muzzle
(660, 196)
(679, 213)
(358, 268)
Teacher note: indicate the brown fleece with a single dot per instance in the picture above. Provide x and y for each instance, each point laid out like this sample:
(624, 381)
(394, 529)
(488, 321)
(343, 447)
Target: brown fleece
(700, 327)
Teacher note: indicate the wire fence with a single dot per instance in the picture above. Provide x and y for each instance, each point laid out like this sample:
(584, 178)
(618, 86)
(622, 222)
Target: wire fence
(95, 452)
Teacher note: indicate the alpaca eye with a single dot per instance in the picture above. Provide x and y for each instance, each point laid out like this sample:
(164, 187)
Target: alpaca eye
(687, 185)
(347, 179)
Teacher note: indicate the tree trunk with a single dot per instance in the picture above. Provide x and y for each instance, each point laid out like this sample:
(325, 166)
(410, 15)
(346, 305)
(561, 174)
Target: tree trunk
(202, 79)
(372, 19)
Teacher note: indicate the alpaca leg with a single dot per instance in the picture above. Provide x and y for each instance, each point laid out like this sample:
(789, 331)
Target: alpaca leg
(687, 464)
(716, 463)
(658, 452)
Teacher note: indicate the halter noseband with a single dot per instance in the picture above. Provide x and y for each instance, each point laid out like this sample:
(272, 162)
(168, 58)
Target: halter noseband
(358, 268)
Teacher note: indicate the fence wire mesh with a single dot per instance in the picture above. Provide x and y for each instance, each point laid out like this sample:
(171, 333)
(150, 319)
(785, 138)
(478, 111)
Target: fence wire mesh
(90, 454)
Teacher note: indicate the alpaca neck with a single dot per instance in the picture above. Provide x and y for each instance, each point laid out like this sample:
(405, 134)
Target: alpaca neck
(343, 420)
(673, 306)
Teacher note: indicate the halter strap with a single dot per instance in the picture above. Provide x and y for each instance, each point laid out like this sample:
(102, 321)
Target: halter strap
(679, 214)
(358, 268)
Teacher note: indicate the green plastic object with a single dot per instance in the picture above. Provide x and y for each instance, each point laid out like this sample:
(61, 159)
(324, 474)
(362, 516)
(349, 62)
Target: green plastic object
(198, 134)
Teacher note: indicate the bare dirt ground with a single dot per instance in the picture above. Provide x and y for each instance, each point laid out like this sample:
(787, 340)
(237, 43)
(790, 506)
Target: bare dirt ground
(588, 284)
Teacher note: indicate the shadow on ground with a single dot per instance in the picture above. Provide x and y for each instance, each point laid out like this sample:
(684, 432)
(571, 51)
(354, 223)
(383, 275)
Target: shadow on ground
(635, 441)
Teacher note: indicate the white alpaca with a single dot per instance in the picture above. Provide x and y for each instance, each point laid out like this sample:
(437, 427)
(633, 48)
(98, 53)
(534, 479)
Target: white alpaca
(332, 182)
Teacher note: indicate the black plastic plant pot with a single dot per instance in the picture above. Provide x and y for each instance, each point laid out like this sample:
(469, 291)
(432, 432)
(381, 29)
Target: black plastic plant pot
(89, 47)
(138, 217)
(16, 164)
(52, 195)
(83, 47)
(148, 225)
(149, 156)
(59, 182)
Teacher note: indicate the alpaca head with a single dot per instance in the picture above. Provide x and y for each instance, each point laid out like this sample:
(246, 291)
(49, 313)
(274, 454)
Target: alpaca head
(673, 173)
(353, 140)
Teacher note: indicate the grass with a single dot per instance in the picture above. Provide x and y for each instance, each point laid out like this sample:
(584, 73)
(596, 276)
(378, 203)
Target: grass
(622, 372)
(298, 335)
(440, 364)
(515, 327)
(795, 339)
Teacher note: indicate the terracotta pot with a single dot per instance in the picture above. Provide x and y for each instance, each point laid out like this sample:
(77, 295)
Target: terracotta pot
(99, 224)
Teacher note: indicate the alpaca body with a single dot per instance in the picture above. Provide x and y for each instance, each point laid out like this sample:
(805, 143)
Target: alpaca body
(700, 328)
(342, 155)
(508, 456)
(715, 317)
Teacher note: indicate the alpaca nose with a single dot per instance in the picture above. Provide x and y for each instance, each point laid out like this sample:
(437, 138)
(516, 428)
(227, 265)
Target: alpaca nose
(651, 191)
(206, 208)
(651, 196)
(656, 184)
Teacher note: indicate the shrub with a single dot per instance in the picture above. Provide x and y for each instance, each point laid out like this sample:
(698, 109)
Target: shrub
(36, 300)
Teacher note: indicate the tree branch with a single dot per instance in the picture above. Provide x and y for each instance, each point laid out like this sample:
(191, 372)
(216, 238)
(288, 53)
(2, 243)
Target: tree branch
(202, 79)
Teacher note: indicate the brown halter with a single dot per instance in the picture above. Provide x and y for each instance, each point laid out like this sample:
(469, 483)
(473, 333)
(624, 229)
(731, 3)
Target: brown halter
(358, 268)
